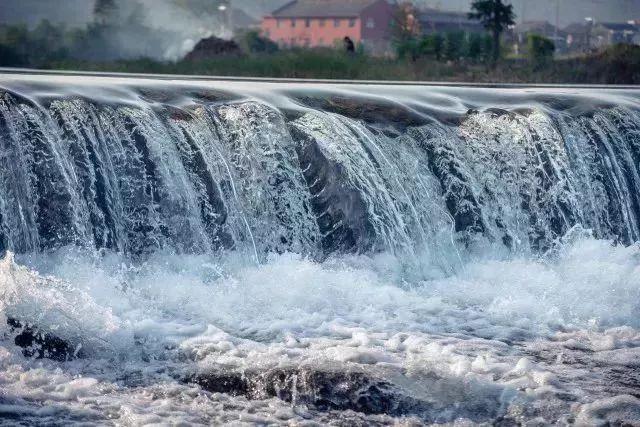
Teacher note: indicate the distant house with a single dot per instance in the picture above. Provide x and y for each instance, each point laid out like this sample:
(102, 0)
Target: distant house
(241, 20)
(316, 23)
(541, 28)
(579, 36)
(522, 31)
(636, 37)
(440, 21)
(600, 34)
(608, 33)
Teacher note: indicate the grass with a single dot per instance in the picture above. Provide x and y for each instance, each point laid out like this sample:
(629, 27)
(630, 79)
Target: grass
(617, 65)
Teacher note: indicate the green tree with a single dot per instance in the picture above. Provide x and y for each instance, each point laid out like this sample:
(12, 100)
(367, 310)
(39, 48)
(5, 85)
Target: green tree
(487, 48)
(408, 48)
(438, 46)
(406, 30)
(455, 44)
(539, 50)
(433, 45)
(253, 42)
(48, 43)
(15, 47)
(474, 47)
(496, 17)
(405, 24)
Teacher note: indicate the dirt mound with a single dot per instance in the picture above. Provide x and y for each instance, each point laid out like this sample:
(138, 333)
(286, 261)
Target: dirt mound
(213, 47)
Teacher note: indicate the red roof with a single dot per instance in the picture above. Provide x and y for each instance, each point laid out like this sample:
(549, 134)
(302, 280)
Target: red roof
(323, 8)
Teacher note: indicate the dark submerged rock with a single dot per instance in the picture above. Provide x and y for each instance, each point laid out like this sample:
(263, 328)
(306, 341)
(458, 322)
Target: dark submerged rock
(340, 210)
(360, 390)
(41, 345)
(378, 113)
(324, 390)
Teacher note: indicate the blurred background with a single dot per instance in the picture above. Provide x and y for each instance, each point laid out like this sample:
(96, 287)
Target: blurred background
(420, 39)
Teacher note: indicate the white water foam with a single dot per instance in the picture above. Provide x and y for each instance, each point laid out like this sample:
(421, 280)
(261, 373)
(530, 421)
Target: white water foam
(500, 333)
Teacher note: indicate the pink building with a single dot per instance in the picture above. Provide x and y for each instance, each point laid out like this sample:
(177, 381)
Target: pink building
(315, 23)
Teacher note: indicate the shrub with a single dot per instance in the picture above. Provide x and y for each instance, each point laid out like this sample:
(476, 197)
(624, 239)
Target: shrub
(408, 48)
(44, 44)
(540, 50)
(433, 45)
(455, 45)
(479, 47)
(253, 42)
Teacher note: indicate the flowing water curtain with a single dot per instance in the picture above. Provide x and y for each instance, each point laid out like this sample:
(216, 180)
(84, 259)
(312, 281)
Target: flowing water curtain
(526, 179)
(246, 176)
(604, 152)
(268, 177)
(521, 170)
(41, 207)
(384, 198)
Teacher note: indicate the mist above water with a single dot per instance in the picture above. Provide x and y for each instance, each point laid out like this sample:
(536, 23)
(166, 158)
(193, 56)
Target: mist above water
(165, 29)
(168, 29)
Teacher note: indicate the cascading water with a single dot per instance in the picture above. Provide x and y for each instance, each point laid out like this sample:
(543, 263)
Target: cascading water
(209, 252)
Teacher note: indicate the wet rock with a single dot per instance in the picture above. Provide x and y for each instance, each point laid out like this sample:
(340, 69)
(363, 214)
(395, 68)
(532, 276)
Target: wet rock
(214, 95)
(378, 113)
(499, 112)
(351, 389)
(41, 345)
(460, 199)
(213, 211)
(323, 390)
(340, 210)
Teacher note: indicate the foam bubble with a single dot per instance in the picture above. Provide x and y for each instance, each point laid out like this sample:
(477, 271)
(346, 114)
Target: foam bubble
(508, 328)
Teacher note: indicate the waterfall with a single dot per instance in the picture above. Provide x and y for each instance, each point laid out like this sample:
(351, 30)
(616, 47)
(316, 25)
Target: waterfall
(211, 175)
(209, 252)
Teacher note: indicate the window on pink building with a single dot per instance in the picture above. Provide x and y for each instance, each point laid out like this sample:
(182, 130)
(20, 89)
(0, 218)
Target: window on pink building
(352, 22)
(293, 22)
(278, 22)
(336, 23)
(307, 22)
(322, 22)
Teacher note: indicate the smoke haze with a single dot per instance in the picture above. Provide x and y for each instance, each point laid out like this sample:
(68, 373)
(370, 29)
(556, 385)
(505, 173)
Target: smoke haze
(168, 29)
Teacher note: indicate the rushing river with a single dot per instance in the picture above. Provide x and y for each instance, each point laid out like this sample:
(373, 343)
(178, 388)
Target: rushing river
(208, 252)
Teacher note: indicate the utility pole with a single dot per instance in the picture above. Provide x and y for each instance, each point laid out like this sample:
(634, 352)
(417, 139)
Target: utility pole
(224, 12)
(555, 31)
(589, 26)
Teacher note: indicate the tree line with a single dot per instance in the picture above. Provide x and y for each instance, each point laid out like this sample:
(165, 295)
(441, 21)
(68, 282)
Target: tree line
(495, 16)
(448, 46)
(113, 31)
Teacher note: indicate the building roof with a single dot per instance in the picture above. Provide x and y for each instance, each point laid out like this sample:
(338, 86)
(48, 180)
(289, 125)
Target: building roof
(540, 27)
(580, 28)
(577, 28)
(618, 26)
(445, 17)
(323, 8)
(241, 19)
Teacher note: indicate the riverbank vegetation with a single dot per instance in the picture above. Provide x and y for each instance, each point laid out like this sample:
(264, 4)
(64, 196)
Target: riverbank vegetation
(441, 57)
